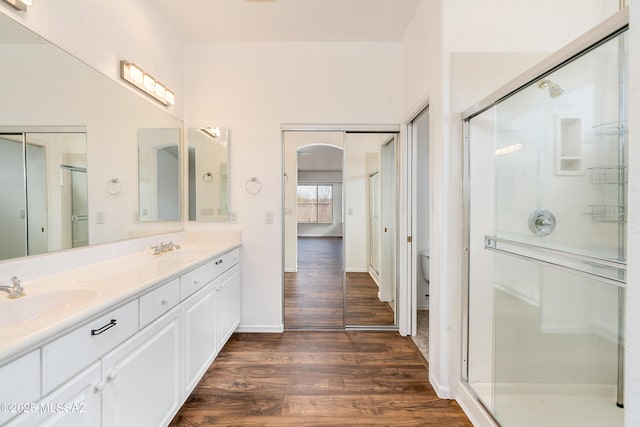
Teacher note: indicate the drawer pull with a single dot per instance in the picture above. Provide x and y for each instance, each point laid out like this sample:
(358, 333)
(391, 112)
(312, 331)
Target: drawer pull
(104, 328)
(165, 301)
(219, 262)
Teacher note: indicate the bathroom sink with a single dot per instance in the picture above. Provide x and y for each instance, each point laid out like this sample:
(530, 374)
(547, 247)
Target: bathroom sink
(32, 307)
(183, 254)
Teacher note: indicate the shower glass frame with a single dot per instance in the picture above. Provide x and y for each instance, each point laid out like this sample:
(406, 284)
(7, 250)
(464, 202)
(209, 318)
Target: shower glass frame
(607, 31)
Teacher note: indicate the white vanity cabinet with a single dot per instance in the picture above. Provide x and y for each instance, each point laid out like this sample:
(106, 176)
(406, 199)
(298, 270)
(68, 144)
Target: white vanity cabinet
(135, 364)
(142, 377)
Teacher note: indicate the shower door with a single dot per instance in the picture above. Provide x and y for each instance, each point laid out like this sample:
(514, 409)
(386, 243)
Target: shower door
(547, 236)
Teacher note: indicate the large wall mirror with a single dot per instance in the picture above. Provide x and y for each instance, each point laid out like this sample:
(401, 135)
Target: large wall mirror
(208, 175)
(48, 96)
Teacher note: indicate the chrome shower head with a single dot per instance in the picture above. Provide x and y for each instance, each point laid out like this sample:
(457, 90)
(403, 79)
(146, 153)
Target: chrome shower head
(555, 90)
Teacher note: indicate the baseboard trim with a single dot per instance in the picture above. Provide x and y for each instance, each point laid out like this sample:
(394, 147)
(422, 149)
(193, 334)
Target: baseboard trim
(441, 391)
(356, 270)
(473, 409)
(260, 329)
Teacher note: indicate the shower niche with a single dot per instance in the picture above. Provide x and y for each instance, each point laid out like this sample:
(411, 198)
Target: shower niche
(544, 311)
(569, 145)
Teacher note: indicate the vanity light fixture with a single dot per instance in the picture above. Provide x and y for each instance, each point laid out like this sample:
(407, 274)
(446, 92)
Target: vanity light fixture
(18, 4)
(219, 135)
(509, 149)
(135, 76)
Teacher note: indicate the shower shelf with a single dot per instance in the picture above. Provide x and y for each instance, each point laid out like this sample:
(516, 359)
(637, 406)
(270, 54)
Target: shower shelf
(607, 213)
(616, 174)
(612, 128)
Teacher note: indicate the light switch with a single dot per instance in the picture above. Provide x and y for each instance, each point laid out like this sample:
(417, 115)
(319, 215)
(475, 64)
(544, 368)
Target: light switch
(99, 217)
(268, 218)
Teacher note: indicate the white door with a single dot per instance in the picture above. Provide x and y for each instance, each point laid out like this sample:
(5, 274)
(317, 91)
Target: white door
(76, 403)
(13, 207)
(229, 304)
(388, 202)
(199, 328)
(143, 377)
(37, 215)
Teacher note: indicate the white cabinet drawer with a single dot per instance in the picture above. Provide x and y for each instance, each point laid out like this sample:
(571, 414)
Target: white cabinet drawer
(20, 382)
(196, 279)
(159, 301)
(226, 261)
(76, 350)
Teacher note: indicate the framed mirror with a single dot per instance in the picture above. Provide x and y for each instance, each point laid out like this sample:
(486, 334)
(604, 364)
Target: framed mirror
(208, 175)
(46, 90)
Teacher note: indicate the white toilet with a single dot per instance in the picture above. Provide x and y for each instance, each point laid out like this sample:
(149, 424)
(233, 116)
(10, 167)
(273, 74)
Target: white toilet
(424, 264)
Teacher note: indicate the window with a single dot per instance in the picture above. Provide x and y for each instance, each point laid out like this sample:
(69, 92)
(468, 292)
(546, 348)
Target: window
(315, 203)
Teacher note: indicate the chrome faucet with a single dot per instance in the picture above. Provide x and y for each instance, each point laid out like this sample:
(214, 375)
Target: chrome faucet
(164, 247)
(14, 291)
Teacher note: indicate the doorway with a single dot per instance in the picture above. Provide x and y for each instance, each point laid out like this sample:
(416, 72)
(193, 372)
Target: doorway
(419, 139)
(340, 229)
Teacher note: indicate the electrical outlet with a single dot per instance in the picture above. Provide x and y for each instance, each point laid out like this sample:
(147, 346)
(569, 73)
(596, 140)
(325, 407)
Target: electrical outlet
(99, 217)
(233, 217)
(268, 218)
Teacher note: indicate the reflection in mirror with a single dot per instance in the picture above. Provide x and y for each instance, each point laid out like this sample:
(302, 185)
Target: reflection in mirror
(45, 197)
(46, 86)
(208, 177)
(370, 181)
(340, 222)
(159, 174)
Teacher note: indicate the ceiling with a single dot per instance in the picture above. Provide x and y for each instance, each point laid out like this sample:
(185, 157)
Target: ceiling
(288, 20)
(320, 158)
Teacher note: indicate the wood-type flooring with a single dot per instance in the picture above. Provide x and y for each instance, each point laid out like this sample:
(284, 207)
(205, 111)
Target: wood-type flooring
(313, 378)
(314, 296)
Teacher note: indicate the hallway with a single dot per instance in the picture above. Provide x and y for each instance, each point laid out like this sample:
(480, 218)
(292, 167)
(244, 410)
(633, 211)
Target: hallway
(321, 379)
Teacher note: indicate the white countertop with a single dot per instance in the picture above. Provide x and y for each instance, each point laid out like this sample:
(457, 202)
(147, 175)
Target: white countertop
(55, 304)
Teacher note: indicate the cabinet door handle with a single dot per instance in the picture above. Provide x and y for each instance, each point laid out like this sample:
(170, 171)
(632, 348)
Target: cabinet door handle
(165, 301)
(111, 376)
(219, 262)
(196, 282)
(106, 327)
(98, 387)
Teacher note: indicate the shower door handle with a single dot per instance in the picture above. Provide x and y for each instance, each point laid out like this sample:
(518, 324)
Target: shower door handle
(542, 222)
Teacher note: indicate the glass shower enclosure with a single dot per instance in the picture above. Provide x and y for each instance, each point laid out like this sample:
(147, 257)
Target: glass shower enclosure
(545, 193)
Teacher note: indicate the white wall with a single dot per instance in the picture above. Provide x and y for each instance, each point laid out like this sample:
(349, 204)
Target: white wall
(102, 33)
(253, 88)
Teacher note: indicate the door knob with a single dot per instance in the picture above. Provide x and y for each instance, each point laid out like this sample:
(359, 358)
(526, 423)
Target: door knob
(542, 222)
